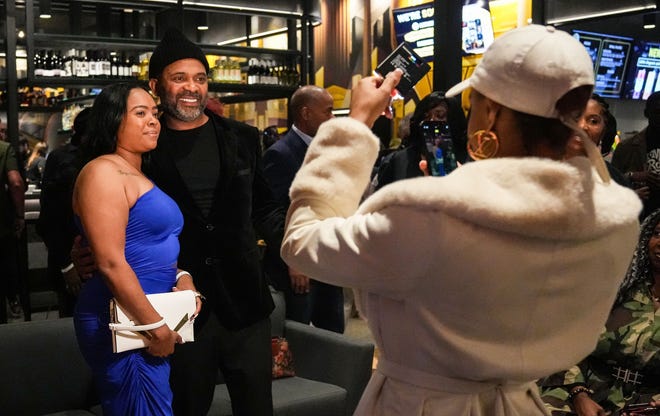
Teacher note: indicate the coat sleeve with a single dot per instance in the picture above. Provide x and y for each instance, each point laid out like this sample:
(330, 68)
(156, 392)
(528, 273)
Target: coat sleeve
(325, 238)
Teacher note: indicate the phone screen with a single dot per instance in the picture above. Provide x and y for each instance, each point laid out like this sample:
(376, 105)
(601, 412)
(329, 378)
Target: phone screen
(438, 140)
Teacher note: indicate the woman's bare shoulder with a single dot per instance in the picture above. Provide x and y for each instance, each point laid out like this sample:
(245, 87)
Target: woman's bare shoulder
(102, 170)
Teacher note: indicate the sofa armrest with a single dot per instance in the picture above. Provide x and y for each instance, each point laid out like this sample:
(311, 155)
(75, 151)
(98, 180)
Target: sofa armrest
(331, 358)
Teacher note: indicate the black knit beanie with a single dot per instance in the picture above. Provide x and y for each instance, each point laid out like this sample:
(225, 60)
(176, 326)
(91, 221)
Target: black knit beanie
(173, 47)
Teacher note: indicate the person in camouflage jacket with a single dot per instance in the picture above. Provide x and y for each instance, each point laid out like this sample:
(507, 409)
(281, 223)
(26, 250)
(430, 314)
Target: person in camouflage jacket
(625, 366)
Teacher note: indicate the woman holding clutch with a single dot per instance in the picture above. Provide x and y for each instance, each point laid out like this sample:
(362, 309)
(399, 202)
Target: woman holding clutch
(132, 228)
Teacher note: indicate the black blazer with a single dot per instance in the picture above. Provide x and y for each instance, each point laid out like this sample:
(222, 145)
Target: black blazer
(220, 250)
(55, 224)
(282, 161)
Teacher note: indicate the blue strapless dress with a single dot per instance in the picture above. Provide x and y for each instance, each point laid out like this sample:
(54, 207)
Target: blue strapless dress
(134, 382)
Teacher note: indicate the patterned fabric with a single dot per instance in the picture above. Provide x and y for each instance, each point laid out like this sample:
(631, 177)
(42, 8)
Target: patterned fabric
(625, 366)
(282, 358)
(639, 266)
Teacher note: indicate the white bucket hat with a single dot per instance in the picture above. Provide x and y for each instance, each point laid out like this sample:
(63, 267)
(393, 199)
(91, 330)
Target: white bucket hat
(529, 69)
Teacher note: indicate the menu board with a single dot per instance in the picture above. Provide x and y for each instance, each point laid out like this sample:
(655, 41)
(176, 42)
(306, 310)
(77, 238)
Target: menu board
(415, 25)
(610, 55)
(644, 71)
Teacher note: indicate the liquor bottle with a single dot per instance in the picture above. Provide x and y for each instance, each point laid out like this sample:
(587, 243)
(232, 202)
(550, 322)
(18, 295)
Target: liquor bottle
(69, 63)
(93, 64)
(83, 65)
(60, 63)
(126, 66)
(295, 76)
(252, 71)
(105, 64)
(135, 67)
(236, 71)
(39, 63)
(116, 67)
(49, 63)
(144, 66)
(223, 69)
(216, 76)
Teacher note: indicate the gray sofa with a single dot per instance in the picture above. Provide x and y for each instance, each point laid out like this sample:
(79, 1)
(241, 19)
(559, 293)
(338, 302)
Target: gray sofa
(43, 372)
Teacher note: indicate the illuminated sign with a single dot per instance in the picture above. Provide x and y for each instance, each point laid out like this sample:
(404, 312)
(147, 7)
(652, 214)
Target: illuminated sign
(609, 55)
(415, 26)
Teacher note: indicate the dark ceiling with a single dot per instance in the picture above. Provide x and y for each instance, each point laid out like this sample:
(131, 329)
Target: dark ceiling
(630, 25)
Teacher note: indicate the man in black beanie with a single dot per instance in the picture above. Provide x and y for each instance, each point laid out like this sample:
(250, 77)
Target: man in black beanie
(211, 167)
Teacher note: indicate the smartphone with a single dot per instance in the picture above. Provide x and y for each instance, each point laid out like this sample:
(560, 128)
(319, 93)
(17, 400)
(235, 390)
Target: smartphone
(413, 66)
(439, 144)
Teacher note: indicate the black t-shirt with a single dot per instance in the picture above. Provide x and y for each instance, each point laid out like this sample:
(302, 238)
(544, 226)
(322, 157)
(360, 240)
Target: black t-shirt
(198, 159)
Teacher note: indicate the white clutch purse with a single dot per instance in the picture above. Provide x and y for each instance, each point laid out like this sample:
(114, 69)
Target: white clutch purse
(175, 307)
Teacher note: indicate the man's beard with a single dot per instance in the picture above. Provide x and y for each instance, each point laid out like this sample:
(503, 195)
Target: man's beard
(183, 113)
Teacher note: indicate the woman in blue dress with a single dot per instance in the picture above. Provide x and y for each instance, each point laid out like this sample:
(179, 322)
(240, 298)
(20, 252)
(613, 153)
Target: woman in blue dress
(132, 227)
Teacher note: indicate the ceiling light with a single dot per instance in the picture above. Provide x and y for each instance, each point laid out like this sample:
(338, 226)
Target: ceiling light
(44, 9)
(202, 21)
(649, 21)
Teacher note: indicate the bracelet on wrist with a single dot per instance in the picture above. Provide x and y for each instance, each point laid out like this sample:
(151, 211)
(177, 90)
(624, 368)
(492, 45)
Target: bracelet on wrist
(67, 268)
(182, 273)
(577, 390)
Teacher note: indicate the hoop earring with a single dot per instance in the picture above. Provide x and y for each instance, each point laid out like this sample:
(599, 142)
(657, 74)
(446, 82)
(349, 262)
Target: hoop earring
(483, 145)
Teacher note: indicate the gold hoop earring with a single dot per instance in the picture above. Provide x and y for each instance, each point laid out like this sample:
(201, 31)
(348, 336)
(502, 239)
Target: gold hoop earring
(483, 145)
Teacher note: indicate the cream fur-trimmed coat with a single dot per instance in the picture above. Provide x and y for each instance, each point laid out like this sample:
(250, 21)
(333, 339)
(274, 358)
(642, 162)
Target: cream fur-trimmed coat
(474, 284)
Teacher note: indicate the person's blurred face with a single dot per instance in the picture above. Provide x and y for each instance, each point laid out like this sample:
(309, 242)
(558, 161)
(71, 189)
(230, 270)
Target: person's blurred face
(139, 129)
(437, 113)
(654, 249)
(318, 111)
(593, 121)
(183, 89)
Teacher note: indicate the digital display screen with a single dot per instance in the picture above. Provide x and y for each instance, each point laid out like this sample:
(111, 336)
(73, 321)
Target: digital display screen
(477, 27)
(644, 68)
(610, 55)
(415, 26)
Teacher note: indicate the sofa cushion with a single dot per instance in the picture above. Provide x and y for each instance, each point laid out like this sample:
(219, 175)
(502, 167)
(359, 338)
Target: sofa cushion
(42, 363)
(293, 396)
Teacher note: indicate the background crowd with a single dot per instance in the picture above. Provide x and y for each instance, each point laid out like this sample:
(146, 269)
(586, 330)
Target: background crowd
(546, 222)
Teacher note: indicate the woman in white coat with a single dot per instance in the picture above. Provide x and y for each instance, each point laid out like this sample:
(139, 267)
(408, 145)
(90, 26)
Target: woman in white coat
(477, 283)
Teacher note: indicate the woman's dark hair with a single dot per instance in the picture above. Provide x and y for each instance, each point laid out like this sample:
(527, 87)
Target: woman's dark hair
(455, 119)
(80, 126)
(609, 134)
(106, 115)
(551, 132)
(639, 270)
